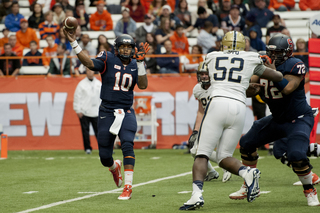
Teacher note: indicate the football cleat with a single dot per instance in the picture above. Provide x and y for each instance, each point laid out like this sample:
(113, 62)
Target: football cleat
(226, 176)
(239, 195)
(126, 193)
(117, 177)
(312, 197)
(252, 182)
(211, 175)
(196, 201)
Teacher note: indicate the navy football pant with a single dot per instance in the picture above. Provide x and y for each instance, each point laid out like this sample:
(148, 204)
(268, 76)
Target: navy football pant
(126, 135)
(266, 130)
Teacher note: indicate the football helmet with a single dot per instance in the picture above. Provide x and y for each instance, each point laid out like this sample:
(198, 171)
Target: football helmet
(280, 48)
(233, 40)
(124, 39)
(203, 69)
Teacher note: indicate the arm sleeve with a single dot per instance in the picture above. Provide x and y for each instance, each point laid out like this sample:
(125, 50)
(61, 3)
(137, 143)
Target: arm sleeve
(259, 69)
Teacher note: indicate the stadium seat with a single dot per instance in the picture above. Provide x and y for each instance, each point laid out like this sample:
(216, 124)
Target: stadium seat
(43, 43)
(36, 70)
(25, 11)
(24, 3)
(95, 34)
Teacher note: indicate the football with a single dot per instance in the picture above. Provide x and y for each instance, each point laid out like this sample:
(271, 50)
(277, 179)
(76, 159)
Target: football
(71, 24)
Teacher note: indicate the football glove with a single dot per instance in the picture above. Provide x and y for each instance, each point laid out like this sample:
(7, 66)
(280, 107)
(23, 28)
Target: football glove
(192, 138)
(141, 53)
(266, 58)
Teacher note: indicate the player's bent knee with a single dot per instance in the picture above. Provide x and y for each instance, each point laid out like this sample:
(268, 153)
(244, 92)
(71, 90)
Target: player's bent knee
(107, 162)
(302, 167)
(248, 155)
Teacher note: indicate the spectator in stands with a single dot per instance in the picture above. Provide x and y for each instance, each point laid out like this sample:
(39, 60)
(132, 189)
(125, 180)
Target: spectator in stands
(126, 24)
(309, 5)
(166, 13)
(80, 14)
(79, 68)
(5, 38)
(183, 13)
(13, 65)
(281, 5)
(204, 4)
(60, 66)
(156, 7)
(102, 40)
(251, 23)
(191, 63)
(253, 5)
(147, 27)
(151, 62)
(168, 64)
(50, 50)
(46, 5)
(37, 16)
(58, 13)
(86, 44)
(146, 4)
(276, 28)
(180, 43)
(137, 10)
(233, 21)
(218, 45)
(62, 39)
(12, 20)
(69, 13)
(33, 52)
(205, 38)
(26, 34)
(151, 39)
(49, 27)
(5, 9)
(66, 6)
(242, 8)
(256, 42)
(262, 14)
(248, 47)
(164, 32)
(301, 47)
(203, 17)
(101, 20)
(286, 32)
(224, 10)
(78, 33)
(16, 48)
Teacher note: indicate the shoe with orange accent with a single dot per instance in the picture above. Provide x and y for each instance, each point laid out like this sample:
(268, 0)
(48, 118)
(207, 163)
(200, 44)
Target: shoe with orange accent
(312, 197)
(126, 193)
(315, 179)
(117, 177)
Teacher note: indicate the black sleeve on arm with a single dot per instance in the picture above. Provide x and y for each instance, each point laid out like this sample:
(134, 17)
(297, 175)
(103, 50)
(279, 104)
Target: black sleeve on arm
(98, 65)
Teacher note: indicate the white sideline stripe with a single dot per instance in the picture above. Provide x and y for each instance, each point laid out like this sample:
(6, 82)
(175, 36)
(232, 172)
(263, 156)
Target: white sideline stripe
(30, 192)
(265, 192)
(101, 193)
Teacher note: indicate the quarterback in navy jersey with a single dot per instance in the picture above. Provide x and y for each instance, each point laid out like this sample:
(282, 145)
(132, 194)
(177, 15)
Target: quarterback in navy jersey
(120, 72)
(291, 120)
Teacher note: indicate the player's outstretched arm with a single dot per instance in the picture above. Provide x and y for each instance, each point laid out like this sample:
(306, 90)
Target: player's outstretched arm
(139, 55)
(85, 60)
(200, 114)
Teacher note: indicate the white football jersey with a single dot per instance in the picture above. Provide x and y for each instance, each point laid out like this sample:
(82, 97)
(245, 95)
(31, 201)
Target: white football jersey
(201, 94)
(230, 72)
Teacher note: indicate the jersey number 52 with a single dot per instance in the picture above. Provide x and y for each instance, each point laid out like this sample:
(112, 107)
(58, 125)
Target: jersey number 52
(229, 73)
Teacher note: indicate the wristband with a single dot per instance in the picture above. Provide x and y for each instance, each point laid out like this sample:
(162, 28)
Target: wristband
(282, 84)
(75, 46)
(141, 68)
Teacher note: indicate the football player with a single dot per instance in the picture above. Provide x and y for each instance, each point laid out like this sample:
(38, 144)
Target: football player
(120, 72)
(291, 118)
(201, 92)
(222, 124)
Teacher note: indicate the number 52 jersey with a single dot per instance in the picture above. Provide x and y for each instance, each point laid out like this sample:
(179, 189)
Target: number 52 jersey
(230, 72)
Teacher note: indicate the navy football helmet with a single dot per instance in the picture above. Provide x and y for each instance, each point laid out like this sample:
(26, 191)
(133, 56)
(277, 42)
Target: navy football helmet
(280, 48)
(124, 39)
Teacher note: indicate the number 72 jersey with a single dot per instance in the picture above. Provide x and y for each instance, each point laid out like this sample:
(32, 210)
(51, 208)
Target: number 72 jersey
(286, 107)
(230, 72)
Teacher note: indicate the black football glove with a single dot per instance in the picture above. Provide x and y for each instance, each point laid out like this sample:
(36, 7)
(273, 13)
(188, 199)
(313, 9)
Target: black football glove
(192, 138)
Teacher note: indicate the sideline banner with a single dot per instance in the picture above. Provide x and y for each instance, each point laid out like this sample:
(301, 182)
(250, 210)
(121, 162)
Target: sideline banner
(37, 112)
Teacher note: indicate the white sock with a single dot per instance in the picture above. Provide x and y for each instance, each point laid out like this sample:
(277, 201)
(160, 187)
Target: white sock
(243, 172)
(113, 166)
(128, 177)
(306, 179)
(210, 168)
(195, 188)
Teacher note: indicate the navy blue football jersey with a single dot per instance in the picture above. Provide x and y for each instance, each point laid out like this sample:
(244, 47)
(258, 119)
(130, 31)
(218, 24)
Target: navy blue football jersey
(118, 81)
(286, 107)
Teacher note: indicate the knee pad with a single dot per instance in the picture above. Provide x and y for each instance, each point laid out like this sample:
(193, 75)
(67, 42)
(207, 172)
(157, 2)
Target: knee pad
(248, 154)
(201, 156)
(301, 164)
(107, 162)
(128, 154)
